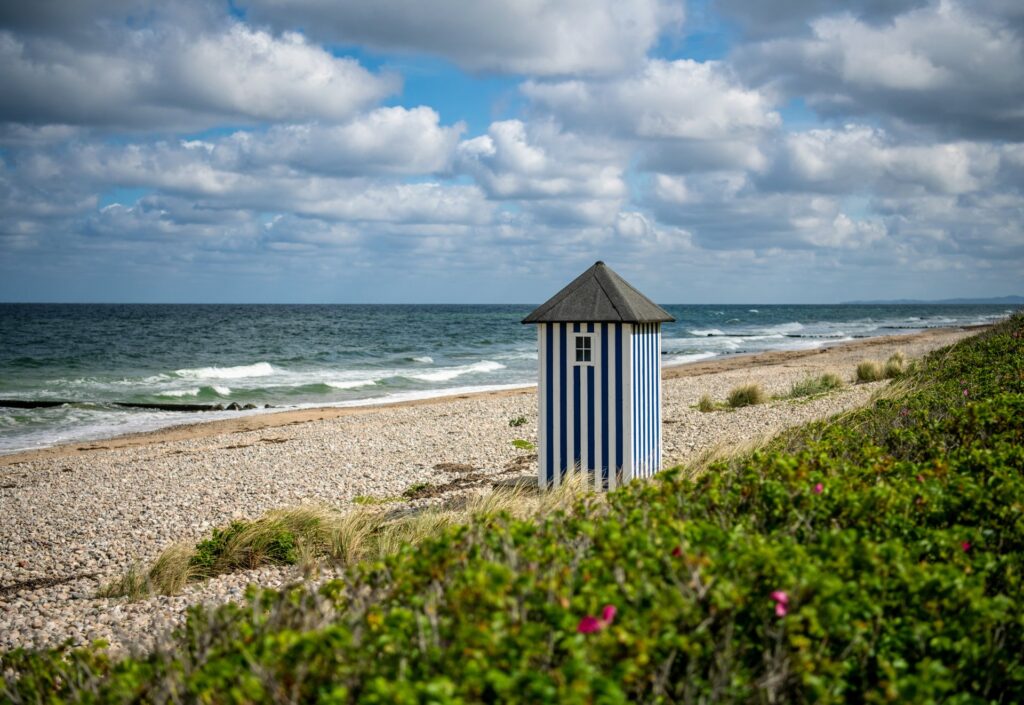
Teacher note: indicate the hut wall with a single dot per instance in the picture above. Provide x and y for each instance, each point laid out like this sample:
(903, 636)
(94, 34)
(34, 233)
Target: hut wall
(646, 402)
(585, 419)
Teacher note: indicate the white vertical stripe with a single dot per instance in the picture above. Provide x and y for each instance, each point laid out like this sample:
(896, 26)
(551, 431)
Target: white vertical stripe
(661, 422)
(627, 409)
(570, 405)
(556, 407)
(584, 455)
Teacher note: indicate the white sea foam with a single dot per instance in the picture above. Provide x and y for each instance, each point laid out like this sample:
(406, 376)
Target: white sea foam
(784, 328)
(350, 383)
(259, 369)
(753, 310)
(177, 393)
(707, 332)
(453, 372)
(426, 359)
(683, 359)
(195, 391)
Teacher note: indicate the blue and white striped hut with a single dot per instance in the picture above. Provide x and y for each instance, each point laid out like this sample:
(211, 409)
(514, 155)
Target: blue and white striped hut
(599, 391)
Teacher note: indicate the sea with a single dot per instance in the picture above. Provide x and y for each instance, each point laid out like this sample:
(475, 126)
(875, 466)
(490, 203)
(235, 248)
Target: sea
(95, 356)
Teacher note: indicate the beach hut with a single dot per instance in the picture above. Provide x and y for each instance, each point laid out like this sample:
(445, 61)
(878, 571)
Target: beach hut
(599, 387)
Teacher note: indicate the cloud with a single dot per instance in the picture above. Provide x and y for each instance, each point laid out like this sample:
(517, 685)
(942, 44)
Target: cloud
(861, 159)
(394, 141)
(944, 66)
(537, 160)
(165, 77)
(536, 37)
(686, 115)
(771, 19)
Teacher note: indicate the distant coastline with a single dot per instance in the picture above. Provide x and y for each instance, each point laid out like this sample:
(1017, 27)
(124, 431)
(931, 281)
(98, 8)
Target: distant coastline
(991, 301)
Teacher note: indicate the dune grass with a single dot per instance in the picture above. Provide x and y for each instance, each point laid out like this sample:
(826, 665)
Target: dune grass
(706, 404)
(746, 395)
(869, 371)
(895, 366)
(313, 536)
(875, 371)
(815, 385)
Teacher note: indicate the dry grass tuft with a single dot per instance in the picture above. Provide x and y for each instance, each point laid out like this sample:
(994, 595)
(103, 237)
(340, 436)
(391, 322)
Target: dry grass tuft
(895, 366)
(746, 395)
(706, 404)
(311, 536)
(869, 371)
(815, 385)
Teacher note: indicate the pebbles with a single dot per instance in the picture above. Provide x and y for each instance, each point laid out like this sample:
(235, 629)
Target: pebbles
(96, 513)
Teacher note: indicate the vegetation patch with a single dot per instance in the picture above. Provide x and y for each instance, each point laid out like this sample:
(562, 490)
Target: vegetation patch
(369, 500)
(517, 421)
(455, 467)
(746, 395)
(895, 366)
(706, 404)
(876, 557)
(813, 386)
(870, 371)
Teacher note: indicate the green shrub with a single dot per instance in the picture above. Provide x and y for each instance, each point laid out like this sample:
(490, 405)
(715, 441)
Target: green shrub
(815, 385)
(869, 371)
(746, 395)
(210, 551)
(706, 404)
(878, 557)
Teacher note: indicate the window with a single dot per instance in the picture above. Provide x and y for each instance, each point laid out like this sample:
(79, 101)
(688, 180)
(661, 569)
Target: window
(584, 350)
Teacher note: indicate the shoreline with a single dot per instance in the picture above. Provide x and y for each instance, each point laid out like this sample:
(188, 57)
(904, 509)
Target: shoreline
(289, 417)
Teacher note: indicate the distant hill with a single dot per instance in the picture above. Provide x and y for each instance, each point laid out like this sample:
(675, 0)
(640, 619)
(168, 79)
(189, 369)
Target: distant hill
(996, 300)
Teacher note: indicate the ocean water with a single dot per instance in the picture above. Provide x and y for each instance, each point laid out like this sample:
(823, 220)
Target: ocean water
(293, 356)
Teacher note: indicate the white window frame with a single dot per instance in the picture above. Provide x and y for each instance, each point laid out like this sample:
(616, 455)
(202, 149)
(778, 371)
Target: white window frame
(582, 363)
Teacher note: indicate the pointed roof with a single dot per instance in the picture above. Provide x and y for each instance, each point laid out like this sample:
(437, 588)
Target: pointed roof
(599, 295)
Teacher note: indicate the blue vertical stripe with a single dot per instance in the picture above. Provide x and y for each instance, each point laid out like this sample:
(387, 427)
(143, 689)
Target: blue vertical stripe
(550, 393)
(648, 398)
(606, 392)
(563, 421)
(618, 395)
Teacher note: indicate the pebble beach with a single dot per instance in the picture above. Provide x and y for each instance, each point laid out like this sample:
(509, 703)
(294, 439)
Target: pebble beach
(72, 518)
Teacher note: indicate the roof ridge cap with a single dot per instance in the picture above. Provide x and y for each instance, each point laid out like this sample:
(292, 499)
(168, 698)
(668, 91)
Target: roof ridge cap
(604, 291)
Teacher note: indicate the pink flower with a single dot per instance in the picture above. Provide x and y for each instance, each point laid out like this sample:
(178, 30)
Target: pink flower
(920, 478)
(608, 614)
(590, 624)
(966, 546)
(965, 392)
(781, 600)
(819, 488)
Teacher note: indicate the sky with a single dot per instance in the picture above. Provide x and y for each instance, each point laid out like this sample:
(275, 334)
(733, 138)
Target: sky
(721, 151)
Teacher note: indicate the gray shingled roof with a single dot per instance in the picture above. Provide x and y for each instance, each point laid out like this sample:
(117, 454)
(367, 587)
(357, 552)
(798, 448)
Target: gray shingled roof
(599, 295)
